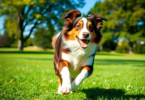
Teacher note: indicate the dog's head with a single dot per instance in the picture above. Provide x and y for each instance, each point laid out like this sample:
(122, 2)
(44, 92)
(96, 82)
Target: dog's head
(81, 29)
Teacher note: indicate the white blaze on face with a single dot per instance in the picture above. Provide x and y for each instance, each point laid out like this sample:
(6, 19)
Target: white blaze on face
(84, 30)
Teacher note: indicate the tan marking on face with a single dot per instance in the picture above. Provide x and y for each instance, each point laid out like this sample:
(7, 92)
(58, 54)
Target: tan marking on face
(88, 24)
(81, 23)
(75, 31)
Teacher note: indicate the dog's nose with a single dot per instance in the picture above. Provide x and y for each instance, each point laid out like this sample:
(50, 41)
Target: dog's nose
(85, 34)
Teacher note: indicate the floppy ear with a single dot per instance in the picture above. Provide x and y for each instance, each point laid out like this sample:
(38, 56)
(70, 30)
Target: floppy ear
(98, 20)
(70, 17)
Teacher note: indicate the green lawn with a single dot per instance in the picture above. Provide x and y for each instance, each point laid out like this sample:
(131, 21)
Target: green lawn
(30, 75)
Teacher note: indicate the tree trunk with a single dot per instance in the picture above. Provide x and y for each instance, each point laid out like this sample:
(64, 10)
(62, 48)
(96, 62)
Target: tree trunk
(20, 21)
(131, 46)
(20, 42)
(101, 48)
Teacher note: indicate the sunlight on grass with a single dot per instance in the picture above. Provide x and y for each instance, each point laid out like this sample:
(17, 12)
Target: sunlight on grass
(31, 76)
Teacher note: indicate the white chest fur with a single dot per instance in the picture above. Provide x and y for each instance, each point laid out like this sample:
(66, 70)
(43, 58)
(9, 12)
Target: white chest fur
(78, 57)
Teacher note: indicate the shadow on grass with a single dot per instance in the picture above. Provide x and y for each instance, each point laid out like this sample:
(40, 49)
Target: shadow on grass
(138, 63)
(96, 93)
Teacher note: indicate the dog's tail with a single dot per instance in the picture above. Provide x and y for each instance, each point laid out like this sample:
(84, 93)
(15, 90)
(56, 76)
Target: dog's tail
(54, 40)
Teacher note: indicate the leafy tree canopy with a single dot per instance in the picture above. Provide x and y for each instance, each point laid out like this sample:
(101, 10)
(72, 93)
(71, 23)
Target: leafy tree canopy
(43, 37)
(34, 13)
(123, 17)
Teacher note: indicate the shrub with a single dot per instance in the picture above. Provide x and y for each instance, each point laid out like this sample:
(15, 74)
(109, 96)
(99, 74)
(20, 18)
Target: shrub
(119, 49)
(123, 48)
(109, 45)
(143, 49)
(42, 38)
(138, 48)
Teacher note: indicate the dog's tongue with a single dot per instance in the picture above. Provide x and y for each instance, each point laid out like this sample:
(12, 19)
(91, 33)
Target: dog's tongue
(83, 43)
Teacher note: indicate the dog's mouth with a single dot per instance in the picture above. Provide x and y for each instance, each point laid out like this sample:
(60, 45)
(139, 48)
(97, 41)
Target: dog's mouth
(83, 42)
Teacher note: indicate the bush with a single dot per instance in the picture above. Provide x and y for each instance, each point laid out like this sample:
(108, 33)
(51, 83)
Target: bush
(138, 48)
(123, 48)
(119, 49)
(109, 45)
(42, 38)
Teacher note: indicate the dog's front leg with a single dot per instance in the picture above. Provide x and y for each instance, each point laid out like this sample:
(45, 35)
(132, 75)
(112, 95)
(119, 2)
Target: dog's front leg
(66, 81)
(79, 79)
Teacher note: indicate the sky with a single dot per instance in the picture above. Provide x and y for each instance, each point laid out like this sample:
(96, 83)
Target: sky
(89, 4)
(1, 24)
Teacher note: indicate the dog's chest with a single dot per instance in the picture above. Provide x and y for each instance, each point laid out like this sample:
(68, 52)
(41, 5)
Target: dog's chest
(75, 63)
(79, 57)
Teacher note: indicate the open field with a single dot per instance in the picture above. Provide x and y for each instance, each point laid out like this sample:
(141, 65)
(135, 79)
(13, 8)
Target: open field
(30, 75)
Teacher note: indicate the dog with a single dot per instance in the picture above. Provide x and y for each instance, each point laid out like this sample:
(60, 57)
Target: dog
(75, 49)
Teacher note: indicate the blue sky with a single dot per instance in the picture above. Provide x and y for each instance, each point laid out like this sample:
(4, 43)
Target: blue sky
(89, 4)
(1, 24)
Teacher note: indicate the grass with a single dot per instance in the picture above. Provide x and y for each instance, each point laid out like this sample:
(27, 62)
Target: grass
(30, 75)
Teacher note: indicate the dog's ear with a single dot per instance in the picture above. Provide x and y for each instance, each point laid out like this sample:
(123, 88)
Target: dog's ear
(70, 17)
(98, 20)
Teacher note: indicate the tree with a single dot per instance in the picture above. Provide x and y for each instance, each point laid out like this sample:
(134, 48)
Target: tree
(3, 40)
(43, 37)
(96, 9)
(10, 30)
(31, 13)
(123, 18)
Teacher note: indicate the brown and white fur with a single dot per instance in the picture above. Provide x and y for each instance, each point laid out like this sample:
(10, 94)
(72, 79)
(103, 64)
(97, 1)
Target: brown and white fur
(75, 49)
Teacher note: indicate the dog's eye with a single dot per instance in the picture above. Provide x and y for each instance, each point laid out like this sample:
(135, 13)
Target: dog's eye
(91, 28)
(78, 27)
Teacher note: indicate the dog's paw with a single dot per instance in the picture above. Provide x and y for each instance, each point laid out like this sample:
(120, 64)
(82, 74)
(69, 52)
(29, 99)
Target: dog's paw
(59, 90)
(66, 89)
